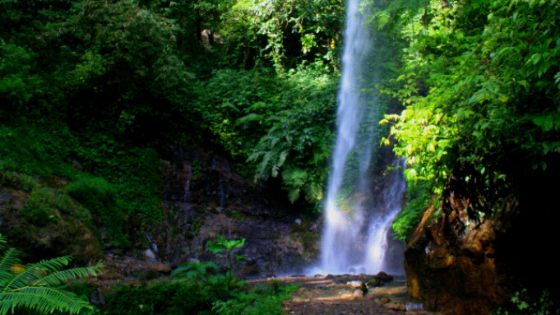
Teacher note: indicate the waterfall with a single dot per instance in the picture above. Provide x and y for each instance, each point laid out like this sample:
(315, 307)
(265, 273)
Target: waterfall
(357, 227)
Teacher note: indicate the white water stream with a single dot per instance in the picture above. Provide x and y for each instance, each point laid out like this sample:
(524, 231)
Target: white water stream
(357, 229)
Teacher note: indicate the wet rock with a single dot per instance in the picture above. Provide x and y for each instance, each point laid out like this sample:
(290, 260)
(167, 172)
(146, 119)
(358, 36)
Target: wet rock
(440, 258)
(453, 269)
(195, 185)
(384, 277)
(203, 197)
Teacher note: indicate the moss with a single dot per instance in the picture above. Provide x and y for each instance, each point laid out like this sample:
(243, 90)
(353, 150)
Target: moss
(46, 223)
(108, 179)
(16, 180)
(40, 208)
(420, 197)
(134, 172)
(100, 197)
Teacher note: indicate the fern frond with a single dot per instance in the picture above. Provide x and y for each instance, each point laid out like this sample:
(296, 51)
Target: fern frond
(9, 259)
(42, 300)
(21, 279)
(53, 264)
(36, 271)
(5, 276)
(31, 289)
(63, 276)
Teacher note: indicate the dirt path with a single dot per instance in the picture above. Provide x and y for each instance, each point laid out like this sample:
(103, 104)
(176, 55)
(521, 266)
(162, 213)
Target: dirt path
(341, 295)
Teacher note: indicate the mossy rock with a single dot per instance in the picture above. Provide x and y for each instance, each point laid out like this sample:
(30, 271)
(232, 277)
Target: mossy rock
(46, 223)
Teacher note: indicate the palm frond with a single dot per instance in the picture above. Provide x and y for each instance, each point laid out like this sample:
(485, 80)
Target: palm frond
(43, 300)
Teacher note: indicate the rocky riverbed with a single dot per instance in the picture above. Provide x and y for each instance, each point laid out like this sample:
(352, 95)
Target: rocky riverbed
(381, 294)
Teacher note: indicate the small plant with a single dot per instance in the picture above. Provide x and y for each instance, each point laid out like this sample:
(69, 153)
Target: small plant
(227, 248)
(194, 270)
(36, 287)
(520, 303)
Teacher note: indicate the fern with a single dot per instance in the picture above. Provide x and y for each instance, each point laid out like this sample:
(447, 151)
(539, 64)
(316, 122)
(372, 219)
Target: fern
(43, 300)
(36, 287)
(8, 260)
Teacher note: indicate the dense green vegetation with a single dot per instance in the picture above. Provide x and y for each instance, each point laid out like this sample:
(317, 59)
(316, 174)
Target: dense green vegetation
(199, 293)
(94, 93)
(110, 180)
(480, 84)
(195, 288)
(106, 78)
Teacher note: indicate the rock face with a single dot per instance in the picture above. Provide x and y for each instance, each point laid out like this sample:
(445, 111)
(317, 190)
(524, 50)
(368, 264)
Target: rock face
(204, 198)
(450, 264)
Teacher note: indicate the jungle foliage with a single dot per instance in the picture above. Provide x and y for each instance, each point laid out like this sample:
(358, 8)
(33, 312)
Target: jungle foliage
(480, 84)
(93, 93)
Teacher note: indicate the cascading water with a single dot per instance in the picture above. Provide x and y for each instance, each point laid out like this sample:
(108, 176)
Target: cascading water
(357, 228)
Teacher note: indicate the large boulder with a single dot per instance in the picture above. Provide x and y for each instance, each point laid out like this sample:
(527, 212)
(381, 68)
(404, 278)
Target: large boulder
(454, 269)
